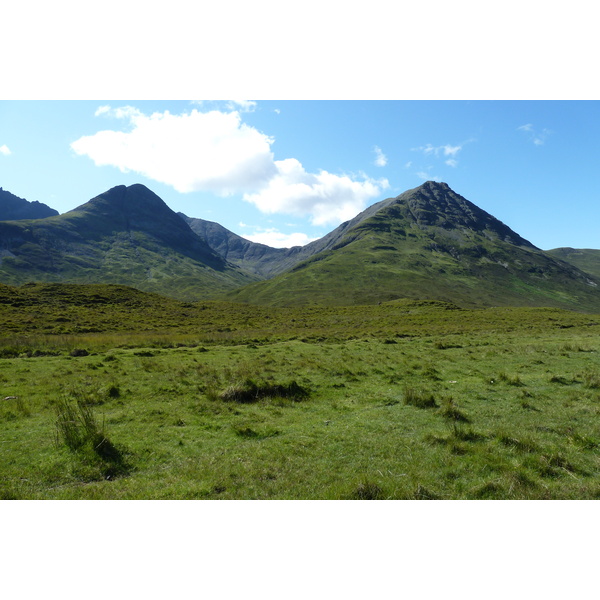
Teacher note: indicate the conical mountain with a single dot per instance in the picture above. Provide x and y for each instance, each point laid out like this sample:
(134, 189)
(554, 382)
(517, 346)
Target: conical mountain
(126, 235)
(428, 243)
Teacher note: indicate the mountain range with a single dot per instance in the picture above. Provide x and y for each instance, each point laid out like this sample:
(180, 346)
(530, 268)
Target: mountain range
(427, 243)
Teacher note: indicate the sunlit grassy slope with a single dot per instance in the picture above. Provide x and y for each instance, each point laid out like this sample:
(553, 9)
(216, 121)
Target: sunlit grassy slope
(108, 392)
(429, 243)
(586, 259)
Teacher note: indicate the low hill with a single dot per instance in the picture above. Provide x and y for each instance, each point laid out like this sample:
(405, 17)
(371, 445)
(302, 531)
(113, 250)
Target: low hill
(432, 243)
(13, 208)
(126, 235)
(585, 259)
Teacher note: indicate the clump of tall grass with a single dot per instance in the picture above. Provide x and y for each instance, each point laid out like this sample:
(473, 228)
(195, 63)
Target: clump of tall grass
(368, 490)
(249, 390)
(450, 411)
(591, 380)
(514, 380)
(78, 429)
(522, 445)
(419, 398)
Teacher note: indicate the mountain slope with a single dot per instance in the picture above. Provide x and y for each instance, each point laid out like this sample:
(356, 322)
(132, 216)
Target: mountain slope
(262, 260)
(13, 208)
(431, 243)
(259, 259)
(127, 235)
(585, 259)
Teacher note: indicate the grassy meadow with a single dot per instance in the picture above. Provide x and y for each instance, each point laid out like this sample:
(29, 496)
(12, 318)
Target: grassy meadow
(109, 393)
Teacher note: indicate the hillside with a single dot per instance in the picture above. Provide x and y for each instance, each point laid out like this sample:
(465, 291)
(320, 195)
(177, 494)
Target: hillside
(584, 259)
(126, 235)
(259, 259)
(13, 208)
(262, 260)
(429, 242)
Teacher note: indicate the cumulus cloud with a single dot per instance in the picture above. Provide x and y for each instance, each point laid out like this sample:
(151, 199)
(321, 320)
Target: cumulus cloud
(196, 151)
(215, 151)
(380, 157)
(277, 239)
(537, 137)
(243, 105)
(5, 150)
(324, 197)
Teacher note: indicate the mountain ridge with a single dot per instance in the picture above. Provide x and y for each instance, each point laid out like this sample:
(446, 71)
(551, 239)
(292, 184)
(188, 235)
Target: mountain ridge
(13, 208)
(126, 235)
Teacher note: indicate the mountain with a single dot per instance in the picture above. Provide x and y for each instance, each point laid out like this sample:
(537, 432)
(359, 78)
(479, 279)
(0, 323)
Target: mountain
(585, 259)
(126, 235)
(428, 242)
(263, 260)
(259, 259)
(13, 208)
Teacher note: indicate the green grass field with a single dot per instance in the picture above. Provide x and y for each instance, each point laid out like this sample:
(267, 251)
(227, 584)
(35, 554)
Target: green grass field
(405, 400)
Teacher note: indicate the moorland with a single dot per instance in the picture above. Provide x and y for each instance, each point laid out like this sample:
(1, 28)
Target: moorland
(422, 350)
(111, 393)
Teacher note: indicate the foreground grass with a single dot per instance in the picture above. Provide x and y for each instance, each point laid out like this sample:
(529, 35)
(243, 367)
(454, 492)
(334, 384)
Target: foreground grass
(400, 401)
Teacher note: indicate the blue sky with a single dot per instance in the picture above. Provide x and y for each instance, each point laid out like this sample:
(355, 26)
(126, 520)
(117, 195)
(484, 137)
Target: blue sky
(284, 172)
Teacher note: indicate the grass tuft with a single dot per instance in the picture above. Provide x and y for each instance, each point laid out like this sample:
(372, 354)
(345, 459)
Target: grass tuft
(450, 412)
(368, 490)
(250, 391)
(419, 398)
(78, 429)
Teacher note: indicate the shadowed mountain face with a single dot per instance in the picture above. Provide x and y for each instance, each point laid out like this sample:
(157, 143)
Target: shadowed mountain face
(432, 243)
(127, 235)
(13, 208)
(259, 259)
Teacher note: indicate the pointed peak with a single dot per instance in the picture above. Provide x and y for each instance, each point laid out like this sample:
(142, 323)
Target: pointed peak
(431, 184)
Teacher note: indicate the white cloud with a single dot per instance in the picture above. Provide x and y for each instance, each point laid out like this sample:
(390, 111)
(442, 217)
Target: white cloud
(243, 105)
(450, 150)
(324, 197)
(408, 165)
(538, 138)
(102, 110)
(211, 151)
(445, 150)
(380, 157)
(277, 239)
(5, 150)
(215, 151)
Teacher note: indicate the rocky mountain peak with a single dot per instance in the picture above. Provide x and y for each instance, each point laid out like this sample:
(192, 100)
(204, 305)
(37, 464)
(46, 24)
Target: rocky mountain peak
(435, 204)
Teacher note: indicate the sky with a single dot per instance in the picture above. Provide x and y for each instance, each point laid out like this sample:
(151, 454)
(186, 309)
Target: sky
(284, 172)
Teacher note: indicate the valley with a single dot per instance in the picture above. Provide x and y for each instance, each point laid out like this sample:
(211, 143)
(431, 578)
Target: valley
(422, 350)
